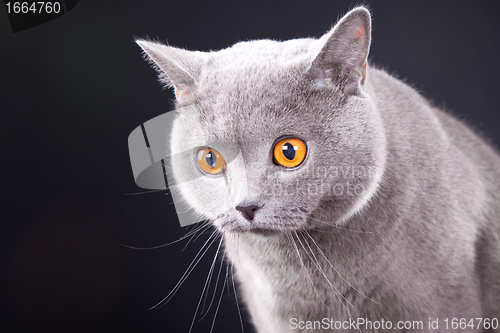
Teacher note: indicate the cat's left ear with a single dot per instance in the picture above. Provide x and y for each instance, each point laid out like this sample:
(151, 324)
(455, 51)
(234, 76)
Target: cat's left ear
(176, 67)
(343, 55)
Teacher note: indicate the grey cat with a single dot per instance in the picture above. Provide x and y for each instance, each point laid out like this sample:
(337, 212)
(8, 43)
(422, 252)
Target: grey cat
(353, 203)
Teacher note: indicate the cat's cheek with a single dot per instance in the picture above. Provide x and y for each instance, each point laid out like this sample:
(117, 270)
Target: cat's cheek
(206, 196)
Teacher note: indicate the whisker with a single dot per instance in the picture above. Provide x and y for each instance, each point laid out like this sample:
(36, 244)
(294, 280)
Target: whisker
(220, 299)
(333, 267)
(236, 298)
(203, 226)
(215, 289)
(145, 192)
(167, 244)
(198, 226)
(318, 266)
(326, 278)
(205, 286)
(305, 270)
(188, 270)
(207, 222)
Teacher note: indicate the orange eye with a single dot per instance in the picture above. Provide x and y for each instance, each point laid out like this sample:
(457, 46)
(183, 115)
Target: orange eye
(290, 152)
(210, 161)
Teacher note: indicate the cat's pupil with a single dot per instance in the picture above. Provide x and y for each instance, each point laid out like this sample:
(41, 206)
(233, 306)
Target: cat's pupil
(211, 159)
(289, 151)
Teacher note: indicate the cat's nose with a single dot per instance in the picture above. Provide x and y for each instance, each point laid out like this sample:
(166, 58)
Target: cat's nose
(248, 212)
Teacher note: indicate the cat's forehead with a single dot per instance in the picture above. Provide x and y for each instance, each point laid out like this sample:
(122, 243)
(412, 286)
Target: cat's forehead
(251, 53)
(252, 63)
(229, 122)
(254, 86)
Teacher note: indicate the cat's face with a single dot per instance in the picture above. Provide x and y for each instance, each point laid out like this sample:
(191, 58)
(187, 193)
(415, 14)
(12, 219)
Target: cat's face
(271, 134)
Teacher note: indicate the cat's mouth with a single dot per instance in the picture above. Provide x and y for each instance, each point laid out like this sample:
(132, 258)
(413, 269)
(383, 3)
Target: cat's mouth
(261, 224)
(254, 230)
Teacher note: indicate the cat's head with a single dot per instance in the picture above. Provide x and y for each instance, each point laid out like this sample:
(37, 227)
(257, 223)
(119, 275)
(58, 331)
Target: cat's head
(275, 135)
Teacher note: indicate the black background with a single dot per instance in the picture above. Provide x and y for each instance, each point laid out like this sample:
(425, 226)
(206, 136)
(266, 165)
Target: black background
(74, 88)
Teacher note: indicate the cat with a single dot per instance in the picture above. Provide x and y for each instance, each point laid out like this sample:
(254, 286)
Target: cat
(353, 203)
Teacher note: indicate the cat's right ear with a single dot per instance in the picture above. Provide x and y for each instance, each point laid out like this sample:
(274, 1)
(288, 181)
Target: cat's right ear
(176, 67)
(343, 53)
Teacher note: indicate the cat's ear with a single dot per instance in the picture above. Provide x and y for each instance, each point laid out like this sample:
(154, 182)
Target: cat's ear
(343, 53)
(176, 67)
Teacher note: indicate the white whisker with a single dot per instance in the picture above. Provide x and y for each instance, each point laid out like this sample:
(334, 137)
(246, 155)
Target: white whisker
(326, 278)
(198, 231)
(188, 270)
(305, 269)
(150, 191)
(220, 299)
(333, 267)
(215, 288)
(205, 286)
(167, 244)
(236, 299)
(318, 266)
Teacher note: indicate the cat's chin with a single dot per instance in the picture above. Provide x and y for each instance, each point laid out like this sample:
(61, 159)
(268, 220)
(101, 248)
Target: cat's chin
(256, 231)
(264, 229)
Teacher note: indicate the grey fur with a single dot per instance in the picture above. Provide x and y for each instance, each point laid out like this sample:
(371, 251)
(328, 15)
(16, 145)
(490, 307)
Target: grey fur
(414, 233)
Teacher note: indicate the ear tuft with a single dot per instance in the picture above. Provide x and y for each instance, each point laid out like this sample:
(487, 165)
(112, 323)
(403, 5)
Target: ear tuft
(342, 59)
(176, 67)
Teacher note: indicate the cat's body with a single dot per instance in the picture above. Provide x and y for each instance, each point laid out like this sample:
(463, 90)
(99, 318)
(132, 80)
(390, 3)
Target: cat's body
(394, 213)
